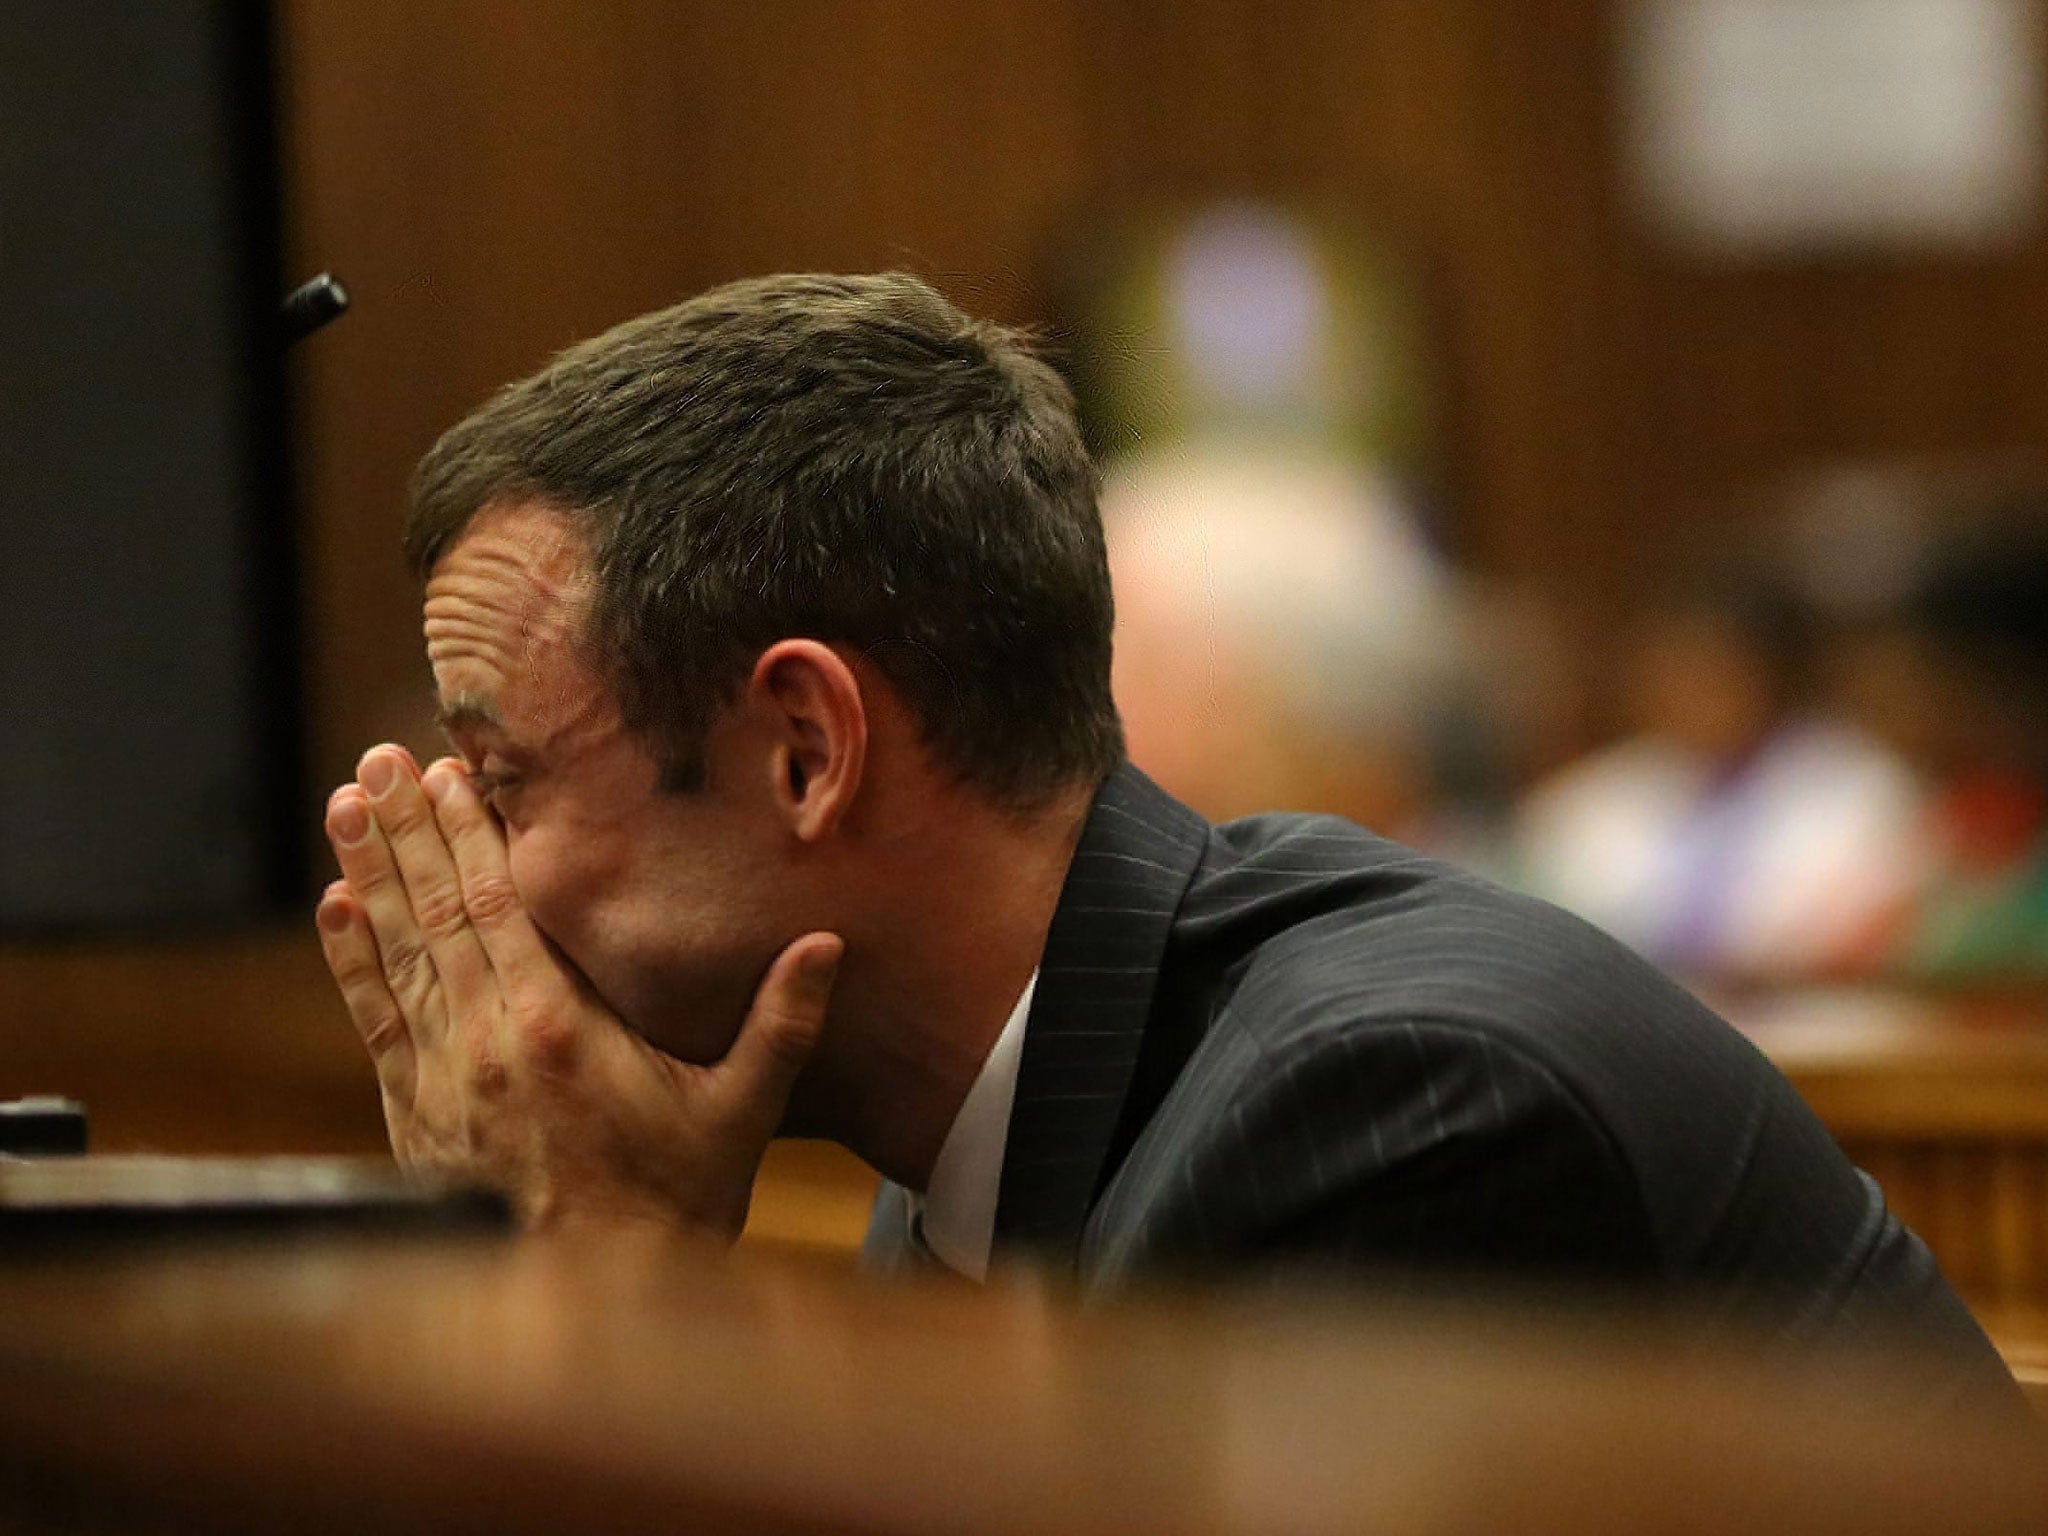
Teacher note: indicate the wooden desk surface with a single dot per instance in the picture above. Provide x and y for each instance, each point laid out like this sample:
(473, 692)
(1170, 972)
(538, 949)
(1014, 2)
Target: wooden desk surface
(527, 1386)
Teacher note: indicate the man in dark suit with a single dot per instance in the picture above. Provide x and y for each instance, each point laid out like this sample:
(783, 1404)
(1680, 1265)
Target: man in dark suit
(773, 631)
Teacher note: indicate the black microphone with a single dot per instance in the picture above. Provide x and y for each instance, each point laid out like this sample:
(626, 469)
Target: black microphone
(310, 306)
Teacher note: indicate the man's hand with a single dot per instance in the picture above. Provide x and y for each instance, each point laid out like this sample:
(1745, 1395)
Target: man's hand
(498, 1061)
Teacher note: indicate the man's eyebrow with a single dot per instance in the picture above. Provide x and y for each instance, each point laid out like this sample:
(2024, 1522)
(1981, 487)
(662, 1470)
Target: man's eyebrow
(469, 712)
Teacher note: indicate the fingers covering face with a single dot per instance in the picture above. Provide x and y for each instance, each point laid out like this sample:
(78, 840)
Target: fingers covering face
(513, 947)
(427, 885)
(405, 874)
(351, 952)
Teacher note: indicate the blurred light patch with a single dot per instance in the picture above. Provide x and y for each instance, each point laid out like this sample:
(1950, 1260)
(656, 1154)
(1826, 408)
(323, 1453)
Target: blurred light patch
(1250, 310)
(1254, 322)
(1808, 125)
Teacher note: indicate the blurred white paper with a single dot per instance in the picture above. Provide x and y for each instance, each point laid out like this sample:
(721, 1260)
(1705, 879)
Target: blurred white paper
(1772, 125)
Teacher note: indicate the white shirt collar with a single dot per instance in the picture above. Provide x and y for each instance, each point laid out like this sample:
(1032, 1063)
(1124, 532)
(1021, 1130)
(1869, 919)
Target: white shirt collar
(958, 1211)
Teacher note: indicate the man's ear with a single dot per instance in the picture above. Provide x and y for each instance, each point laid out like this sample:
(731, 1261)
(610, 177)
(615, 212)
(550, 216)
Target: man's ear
(818, 729)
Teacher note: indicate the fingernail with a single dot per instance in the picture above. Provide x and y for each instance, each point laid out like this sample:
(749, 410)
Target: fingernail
(377, 773)
(333, 916)
(349, 821)
(439, 780)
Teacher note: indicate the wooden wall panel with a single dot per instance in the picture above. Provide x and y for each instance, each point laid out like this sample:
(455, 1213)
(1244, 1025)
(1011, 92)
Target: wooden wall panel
(496, 179)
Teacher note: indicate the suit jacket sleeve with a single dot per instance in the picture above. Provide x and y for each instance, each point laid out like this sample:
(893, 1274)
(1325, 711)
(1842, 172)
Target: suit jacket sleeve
(1404, 1145)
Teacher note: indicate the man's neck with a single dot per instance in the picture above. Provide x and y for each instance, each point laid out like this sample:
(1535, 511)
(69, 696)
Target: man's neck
(923, 999)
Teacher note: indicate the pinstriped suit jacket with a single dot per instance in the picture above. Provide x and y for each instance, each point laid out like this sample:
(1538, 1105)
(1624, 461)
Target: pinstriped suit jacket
(1286, 1040)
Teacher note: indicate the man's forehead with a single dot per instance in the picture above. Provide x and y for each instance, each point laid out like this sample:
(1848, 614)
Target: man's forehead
(515, 580)
(503, 618)
(530, 550)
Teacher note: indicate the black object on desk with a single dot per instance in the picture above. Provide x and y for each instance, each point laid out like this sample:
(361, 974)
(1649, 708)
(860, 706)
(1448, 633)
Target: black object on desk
(42, 1127)
(125, 1198)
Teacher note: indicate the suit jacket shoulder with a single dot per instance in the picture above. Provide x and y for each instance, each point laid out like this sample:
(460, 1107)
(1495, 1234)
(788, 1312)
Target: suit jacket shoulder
(1287, 1040)
(1359, 1055)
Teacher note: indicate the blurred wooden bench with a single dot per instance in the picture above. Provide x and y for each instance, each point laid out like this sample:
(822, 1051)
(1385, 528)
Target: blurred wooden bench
(811, 1197)
(510, 1387)
(1944, 1101)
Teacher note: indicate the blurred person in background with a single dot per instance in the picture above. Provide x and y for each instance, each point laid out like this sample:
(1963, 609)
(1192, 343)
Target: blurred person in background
(1959, 682)
(1738, 830)
(1285, 637)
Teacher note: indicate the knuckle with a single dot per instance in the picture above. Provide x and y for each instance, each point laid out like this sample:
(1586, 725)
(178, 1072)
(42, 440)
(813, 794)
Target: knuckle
(383, 1030)
(549, 1040)
(403, 815)
(788, 1038)
(439, 911)
(492, 899)
(354, 970)
(406, 966)
(488, 1076)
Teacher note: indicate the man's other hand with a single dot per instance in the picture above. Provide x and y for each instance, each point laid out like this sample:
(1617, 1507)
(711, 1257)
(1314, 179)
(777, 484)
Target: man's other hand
(496, 1058)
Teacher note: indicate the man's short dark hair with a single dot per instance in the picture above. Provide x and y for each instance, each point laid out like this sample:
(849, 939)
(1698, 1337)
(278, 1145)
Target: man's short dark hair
(849, 459)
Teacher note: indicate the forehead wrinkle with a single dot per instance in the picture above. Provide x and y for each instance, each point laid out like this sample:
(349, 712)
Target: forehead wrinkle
(555, 618)
(513, 588)
(452, 628)
(512, 595)
(487, 591)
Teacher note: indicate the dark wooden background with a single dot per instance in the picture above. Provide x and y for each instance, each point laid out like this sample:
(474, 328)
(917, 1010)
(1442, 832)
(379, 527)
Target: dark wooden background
(495, 180)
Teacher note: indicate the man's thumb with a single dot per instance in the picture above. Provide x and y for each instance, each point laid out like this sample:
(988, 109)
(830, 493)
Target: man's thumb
(783, 1025)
